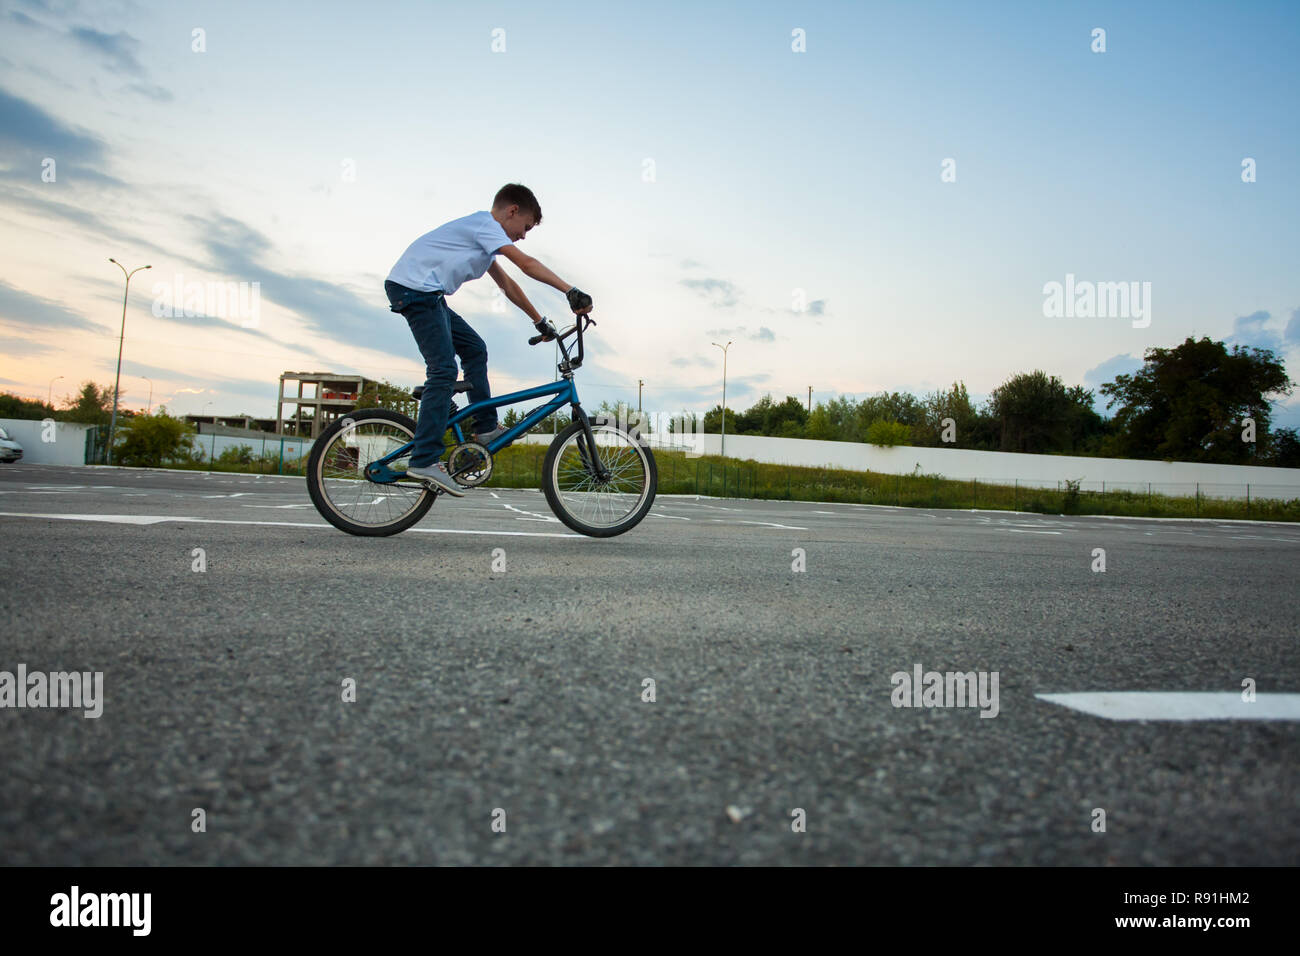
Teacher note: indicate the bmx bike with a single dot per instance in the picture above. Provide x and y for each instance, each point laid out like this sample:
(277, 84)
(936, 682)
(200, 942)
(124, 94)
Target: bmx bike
(599, 475)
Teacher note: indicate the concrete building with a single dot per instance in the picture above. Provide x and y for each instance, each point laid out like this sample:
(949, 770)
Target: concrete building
(320, 398)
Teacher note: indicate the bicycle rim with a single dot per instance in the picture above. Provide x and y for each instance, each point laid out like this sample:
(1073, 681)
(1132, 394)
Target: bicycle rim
(601, 504)
(343, 481)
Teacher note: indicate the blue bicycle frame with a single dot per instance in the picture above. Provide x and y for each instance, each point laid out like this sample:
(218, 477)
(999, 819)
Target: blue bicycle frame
(565, 392)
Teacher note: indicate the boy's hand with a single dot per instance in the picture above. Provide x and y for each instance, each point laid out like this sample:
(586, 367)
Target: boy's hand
(579, 301)
(540, 326)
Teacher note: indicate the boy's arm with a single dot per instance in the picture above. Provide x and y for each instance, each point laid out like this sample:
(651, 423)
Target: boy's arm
(512, 291)
(535, 270)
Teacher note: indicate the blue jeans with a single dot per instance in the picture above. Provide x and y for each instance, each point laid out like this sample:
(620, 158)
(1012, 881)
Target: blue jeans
(441, 335)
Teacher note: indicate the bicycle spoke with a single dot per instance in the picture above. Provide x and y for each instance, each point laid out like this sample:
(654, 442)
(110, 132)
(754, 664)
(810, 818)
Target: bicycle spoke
(343, 474)
(592, 500)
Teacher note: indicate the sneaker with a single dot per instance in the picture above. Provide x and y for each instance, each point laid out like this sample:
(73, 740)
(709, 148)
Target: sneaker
(484, 437)
(436, 475)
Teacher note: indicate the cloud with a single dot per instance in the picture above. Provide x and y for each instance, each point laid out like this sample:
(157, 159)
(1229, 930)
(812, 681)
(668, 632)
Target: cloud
(24, 310)
(1250, 331)
(1292, 334)
(691, 264)
(85, 219)
(117, 49)
(25, 126)
(764, 334)
(1124, 364)
(154, 92)
(690, 360)
(13, 345)
(720, 293)
(817, 307)
(241, 252)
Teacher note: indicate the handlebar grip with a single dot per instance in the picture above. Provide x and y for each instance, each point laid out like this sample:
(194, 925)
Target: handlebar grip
(536, 338)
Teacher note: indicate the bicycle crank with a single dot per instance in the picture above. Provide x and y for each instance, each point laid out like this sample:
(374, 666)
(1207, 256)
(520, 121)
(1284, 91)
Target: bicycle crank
(469, 464)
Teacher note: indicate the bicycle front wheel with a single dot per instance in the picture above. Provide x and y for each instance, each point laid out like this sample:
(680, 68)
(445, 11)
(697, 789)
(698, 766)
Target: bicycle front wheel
(584, 500)
(337, 482)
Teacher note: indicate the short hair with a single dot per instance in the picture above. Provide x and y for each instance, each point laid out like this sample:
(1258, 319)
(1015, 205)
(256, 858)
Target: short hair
(513, 194)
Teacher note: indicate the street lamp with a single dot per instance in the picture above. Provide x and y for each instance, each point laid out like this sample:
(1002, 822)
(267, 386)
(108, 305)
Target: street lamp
(150, 381)
(112, 424)
(50, 398)
(724, 396)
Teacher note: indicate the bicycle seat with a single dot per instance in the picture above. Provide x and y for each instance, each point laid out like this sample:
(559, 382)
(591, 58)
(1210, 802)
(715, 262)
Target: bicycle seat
(460, 386)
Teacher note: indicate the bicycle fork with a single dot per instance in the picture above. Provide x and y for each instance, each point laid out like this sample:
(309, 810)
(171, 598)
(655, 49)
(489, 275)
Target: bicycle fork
(587, 451)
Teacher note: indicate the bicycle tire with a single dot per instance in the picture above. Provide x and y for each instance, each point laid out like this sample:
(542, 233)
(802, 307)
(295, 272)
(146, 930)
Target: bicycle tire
(556, 501)
(315, 477)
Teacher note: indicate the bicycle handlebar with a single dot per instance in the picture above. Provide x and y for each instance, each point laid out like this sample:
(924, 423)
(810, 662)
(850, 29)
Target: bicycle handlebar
(580, 324)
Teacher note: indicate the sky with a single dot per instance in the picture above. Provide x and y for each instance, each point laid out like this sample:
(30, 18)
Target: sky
(859, 196)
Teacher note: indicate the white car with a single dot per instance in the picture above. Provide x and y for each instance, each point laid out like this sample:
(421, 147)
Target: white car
(10, 450)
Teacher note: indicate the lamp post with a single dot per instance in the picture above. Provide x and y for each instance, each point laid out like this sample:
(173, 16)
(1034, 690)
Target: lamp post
(724, 396)
(112, 424)
(150, 381)
(49, 400)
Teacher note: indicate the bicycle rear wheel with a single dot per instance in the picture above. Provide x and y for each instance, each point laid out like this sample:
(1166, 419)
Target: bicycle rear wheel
(337, 482)
(585, 502)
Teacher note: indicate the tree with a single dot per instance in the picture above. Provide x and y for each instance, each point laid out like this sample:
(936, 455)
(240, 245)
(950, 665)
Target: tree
(713, 421)
(15, 406)
(383, 395)
(1038, 415)
(1284, 448)
(888, 434)
(150, 440)
(93, 405)
(834, 420)
(899, 407)
(1188, 403)
(684, 422)
(955, 404)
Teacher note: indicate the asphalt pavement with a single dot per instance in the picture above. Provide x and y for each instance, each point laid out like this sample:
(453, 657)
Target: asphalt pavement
(503, 716)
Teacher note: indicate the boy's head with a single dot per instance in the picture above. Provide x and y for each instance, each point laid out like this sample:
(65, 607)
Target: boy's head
(517, 209)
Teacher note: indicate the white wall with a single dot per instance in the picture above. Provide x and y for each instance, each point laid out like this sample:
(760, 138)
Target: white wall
(1042, 471)
(67, 447)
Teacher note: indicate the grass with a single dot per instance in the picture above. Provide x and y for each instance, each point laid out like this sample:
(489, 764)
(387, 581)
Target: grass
(520, 466)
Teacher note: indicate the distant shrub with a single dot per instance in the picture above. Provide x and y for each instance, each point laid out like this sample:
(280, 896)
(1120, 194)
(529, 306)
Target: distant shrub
(888, 434)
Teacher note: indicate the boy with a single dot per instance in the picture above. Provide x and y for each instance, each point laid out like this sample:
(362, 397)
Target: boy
(432, 268)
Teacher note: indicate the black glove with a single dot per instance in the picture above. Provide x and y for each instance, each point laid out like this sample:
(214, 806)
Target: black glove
(540, 326)
(578, 299)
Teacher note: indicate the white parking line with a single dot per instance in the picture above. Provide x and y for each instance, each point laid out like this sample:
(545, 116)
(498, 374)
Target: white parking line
(1179, 705)
(532, 516)
(158, 519)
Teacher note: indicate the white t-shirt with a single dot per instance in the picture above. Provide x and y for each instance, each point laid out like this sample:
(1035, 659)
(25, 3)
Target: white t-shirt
(450, 255)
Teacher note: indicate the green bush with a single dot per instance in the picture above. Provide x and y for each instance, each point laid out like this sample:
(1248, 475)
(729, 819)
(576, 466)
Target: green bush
(888, 434)
(151, 440)
(236, 455)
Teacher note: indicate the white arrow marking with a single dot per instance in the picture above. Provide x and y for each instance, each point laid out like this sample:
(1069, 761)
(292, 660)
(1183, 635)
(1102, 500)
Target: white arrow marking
(1179, 705)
